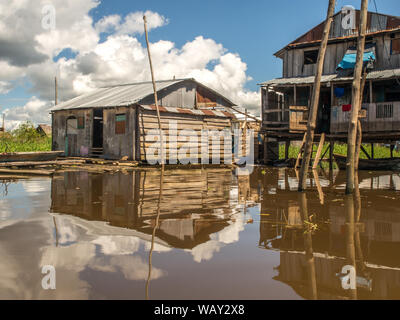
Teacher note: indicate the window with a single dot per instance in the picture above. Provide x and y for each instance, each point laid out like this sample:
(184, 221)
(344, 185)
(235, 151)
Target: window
(120, 123)
(384, 111)
(310, 57)
(72, 126)
(395, 46)
(81, 122)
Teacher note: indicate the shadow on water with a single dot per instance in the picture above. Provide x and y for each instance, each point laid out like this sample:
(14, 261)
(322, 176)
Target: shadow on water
(144, 226)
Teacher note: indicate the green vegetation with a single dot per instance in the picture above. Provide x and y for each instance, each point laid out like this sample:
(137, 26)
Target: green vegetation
(24, 139)
(380, 151)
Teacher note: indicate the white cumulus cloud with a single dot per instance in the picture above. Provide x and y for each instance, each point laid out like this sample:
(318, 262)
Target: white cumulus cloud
(108, 52)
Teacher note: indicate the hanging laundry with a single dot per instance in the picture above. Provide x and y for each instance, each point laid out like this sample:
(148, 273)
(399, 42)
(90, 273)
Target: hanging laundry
(339, 92)
(346, 107)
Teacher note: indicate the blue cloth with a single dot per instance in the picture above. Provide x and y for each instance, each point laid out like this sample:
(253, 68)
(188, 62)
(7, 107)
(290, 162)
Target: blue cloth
(349, 60)
(339, 92)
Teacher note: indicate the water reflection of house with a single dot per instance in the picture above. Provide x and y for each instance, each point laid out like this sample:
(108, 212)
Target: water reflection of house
(194, 203)
(377, 238)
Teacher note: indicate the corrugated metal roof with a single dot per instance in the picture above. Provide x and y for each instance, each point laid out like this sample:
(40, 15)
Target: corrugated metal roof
(374, 75)
(200, 112)
(122, 95)
(115, 96)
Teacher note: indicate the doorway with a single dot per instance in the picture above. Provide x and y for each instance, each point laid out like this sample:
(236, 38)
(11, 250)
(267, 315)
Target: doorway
(324, 112)
(71, 137)
(97, 146)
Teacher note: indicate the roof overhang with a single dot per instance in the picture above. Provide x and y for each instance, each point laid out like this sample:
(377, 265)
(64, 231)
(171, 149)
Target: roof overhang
(374, 75)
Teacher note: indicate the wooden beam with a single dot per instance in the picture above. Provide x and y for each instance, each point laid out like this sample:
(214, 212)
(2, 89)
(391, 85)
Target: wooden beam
(372, 151)
(370, 92)
(356, 103)
(287, 147)
(300, 152)
(315, 98)
(318, 155)
(365, 152)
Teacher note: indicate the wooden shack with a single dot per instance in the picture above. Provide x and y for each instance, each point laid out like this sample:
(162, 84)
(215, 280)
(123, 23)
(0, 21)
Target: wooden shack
(286, 100)
(121, 121)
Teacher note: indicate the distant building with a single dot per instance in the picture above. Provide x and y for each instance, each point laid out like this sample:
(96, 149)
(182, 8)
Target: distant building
(44, 129)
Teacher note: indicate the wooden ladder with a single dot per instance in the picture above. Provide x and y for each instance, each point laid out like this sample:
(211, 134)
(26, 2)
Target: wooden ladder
(317, 156)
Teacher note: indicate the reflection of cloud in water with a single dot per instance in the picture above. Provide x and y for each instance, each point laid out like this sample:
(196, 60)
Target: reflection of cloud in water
(5, 209)
(205, 251)
(120, 245)
(157, 247)
(228, 235)
(34, 187)
(132, 267)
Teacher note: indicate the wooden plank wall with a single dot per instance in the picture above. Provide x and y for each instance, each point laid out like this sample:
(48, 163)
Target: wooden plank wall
(196, 123)
(340, 119)
(293, 59)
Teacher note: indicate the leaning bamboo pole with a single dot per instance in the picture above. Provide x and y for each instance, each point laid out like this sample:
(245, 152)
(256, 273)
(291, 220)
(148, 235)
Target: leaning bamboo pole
(359, 127)
(356, 98)
(315, 99)
(155, 93)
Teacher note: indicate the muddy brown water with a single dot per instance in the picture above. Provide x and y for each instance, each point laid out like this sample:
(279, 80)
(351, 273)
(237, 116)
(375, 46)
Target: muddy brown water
(210, 235)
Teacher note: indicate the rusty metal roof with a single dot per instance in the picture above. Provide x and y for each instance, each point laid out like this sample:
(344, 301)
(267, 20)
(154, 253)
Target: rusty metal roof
(376, 23)
(121, 95)
(199, 112)
(374, 75)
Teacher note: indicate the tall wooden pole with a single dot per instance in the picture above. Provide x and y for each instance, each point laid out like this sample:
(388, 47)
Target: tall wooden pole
(55, 91)
(155, 93)
(356, 98)
(359, 127)
(315, 99)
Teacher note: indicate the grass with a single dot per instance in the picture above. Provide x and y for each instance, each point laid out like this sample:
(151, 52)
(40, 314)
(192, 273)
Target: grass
(341, 149)
(24, 139)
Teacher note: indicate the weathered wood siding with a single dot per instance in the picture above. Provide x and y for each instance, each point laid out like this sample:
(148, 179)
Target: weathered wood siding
(293, 59)
(181, 95)
(117, 146)
(186, 94)
(196, 123)
(83, 140)
(385, 120)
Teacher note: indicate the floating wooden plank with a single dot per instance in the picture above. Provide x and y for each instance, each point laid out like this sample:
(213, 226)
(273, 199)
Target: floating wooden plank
(30, 172)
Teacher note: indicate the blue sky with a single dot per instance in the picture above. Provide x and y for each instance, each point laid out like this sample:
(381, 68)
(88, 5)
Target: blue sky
(254, 30)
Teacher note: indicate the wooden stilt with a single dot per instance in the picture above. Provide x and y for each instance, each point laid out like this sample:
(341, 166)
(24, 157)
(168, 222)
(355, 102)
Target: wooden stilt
(299, 156)
(319, 151)
(358, 145)
(365, 152)
(287, 147)
(353, 123)
(331, 148)
(372, 151)
(315, 98)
